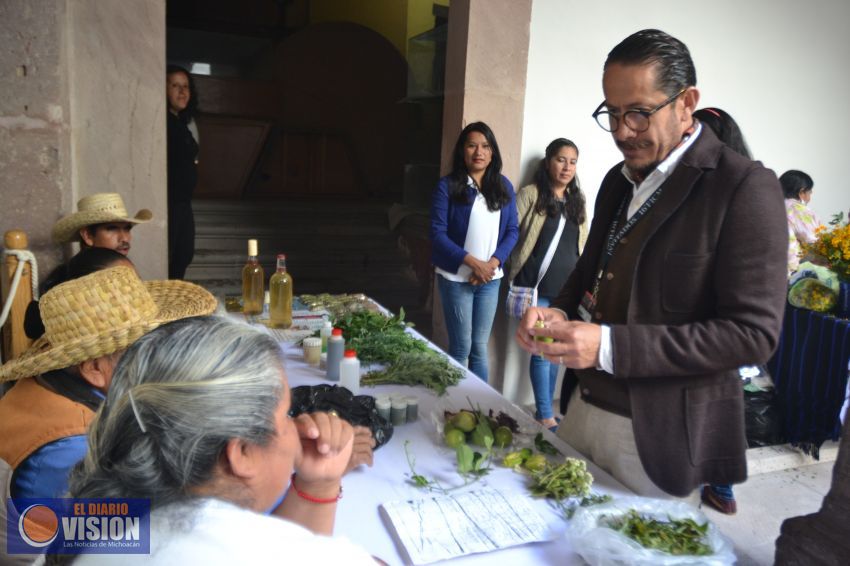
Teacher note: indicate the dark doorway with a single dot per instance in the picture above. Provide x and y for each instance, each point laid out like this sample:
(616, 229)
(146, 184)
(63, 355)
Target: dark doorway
(309, 134)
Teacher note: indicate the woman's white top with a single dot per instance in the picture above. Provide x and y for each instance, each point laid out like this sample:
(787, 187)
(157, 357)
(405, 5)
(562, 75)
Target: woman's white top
(482, 238)
(214, 532)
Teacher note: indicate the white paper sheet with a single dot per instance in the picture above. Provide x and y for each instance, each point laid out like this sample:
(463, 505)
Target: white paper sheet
(441, 527)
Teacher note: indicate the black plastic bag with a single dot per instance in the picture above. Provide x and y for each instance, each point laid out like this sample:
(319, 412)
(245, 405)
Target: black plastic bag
(358, 410)
(762, 417)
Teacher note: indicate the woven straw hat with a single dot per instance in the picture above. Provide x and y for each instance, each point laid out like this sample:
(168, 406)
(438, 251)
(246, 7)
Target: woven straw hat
(96, 209)
(102, 313)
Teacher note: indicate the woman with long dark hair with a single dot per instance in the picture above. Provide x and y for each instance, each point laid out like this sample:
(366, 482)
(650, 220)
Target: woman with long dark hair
(554, 200)
(473, 230)
(182, 101)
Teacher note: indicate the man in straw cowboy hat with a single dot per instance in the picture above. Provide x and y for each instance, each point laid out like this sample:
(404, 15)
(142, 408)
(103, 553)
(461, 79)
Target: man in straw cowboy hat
(62, 378)
(101, 221)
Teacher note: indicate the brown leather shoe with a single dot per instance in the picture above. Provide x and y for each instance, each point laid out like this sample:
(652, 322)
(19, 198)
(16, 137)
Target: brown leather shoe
(725, 506)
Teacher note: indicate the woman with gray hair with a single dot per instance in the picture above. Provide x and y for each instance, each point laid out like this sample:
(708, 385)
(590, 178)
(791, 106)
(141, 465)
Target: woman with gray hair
(197, 422)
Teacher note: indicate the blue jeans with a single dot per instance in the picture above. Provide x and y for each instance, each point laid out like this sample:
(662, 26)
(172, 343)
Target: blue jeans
(469, 311)
(543, 374)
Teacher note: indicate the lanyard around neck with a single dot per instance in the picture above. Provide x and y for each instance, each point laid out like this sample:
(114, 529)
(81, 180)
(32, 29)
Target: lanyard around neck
(615, 234)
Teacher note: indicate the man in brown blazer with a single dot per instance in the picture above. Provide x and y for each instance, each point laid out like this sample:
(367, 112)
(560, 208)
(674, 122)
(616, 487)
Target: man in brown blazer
(681, 282)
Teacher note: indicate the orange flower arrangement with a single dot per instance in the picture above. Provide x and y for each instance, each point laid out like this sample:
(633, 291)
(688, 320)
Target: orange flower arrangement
(833, 244)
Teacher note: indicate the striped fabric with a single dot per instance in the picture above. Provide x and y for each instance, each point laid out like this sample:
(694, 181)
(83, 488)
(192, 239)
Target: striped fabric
(810, 370)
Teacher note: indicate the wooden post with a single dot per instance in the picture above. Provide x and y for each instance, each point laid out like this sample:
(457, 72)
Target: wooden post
(15, 340)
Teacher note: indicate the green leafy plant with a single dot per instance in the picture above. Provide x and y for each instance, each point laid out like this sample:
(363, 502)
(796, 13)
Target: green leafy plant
(545, 446)
(378, 338)
(429, 369)
(471, 466)
(474, 463)
(674, 536)
(559, 481)
(587, 501)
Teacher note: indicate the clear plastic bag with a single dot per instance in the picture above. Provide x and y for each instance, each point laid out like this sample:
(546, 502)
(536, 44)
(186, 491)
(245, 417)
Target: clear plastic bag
(602, 546)
(814, 287)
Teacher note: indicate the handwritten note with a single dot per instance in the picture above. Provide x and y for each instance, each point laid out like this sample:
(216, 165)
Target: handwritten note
(446, 526)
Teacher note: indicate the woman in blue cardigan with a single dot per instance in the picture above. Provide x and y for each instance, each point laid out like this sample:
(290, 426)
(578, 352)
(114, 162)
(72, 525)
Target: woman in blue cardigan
(473, 230)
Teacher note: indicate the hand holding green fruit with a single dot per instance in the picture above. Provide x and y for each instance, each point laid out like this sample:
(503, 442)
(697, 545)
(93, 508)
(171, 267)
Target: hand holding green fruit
(546, 339)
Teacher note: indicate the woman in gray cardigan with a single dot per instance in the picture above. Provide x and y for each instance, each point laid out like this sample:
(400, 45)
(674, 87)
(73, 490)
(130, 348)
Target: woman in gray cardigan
(555, 194)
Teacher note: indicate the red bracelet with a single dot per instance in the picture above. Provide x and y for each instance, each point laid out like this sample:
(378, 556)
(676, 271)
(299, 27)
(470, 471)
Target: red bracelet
(309, 497)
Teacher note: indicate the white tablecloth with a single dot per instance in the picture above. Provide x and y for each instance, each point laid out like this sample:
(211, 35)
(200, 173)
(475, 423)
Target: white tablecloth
(358, 516)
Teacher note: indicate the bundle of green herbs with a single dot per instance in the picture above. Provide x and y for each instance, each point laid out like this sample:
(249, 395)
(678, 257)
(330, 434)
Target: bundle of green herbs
(559, 481)
(674, 536)
(428, 368)
(378, 338)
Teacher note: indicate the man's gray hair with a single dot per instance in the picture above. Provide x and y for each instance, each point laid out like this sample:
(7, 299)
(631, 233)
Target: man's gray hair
(177, 396)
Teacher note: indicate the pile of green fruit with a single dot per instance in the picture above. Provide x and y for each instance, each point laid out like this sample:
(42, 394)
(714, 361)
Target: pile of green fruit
(525, 459)
(478, 429)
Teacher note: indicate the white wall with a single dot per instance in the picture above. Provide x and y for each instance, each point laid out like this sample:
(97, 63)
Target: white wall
(780, 68)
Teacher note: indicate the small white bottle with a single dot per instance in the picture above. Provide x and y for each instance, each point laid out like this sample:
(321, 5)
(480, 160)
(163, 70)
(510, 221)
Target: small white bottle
(325, 333)
(349, 372)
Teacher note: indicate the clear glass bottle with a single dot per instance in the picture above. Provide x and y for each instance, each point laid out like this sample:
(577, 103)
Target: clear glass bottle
(253, 282)
(280, 288)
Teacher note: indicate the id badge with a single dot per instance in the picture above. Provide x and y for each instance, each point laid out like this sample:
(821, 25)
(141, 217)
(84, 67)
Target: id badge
(586, 308)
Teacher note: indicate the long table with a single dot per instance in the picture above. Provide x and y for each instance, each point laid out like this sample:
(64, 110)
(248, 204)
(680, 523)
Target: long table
(365, 489)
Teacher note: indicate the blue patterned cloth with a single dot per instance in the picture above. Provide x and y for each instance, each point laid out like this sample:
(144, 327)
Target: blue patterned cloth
(810, 370)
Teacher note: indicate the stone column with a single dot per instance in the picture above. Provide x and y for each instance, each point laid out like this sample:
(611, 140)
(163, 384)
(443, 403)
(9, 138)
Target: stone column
(35, 179)
(116, 77)
(486, 69)
(83, 112)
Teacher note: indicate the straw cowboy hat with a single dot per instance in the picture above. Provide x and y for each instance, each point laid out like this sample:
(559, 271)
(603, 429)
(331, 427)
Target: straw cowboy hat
(96, 209)
(102, 313)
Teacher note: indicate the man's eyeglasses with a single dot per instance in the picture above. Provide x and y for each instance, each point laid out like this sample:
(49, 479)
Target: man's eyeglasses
(636, 120)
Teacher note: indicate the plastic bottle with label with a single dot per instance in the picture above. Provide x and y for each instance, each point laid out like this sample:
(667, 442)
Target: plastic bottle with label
(349, 372)
(336, 348)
